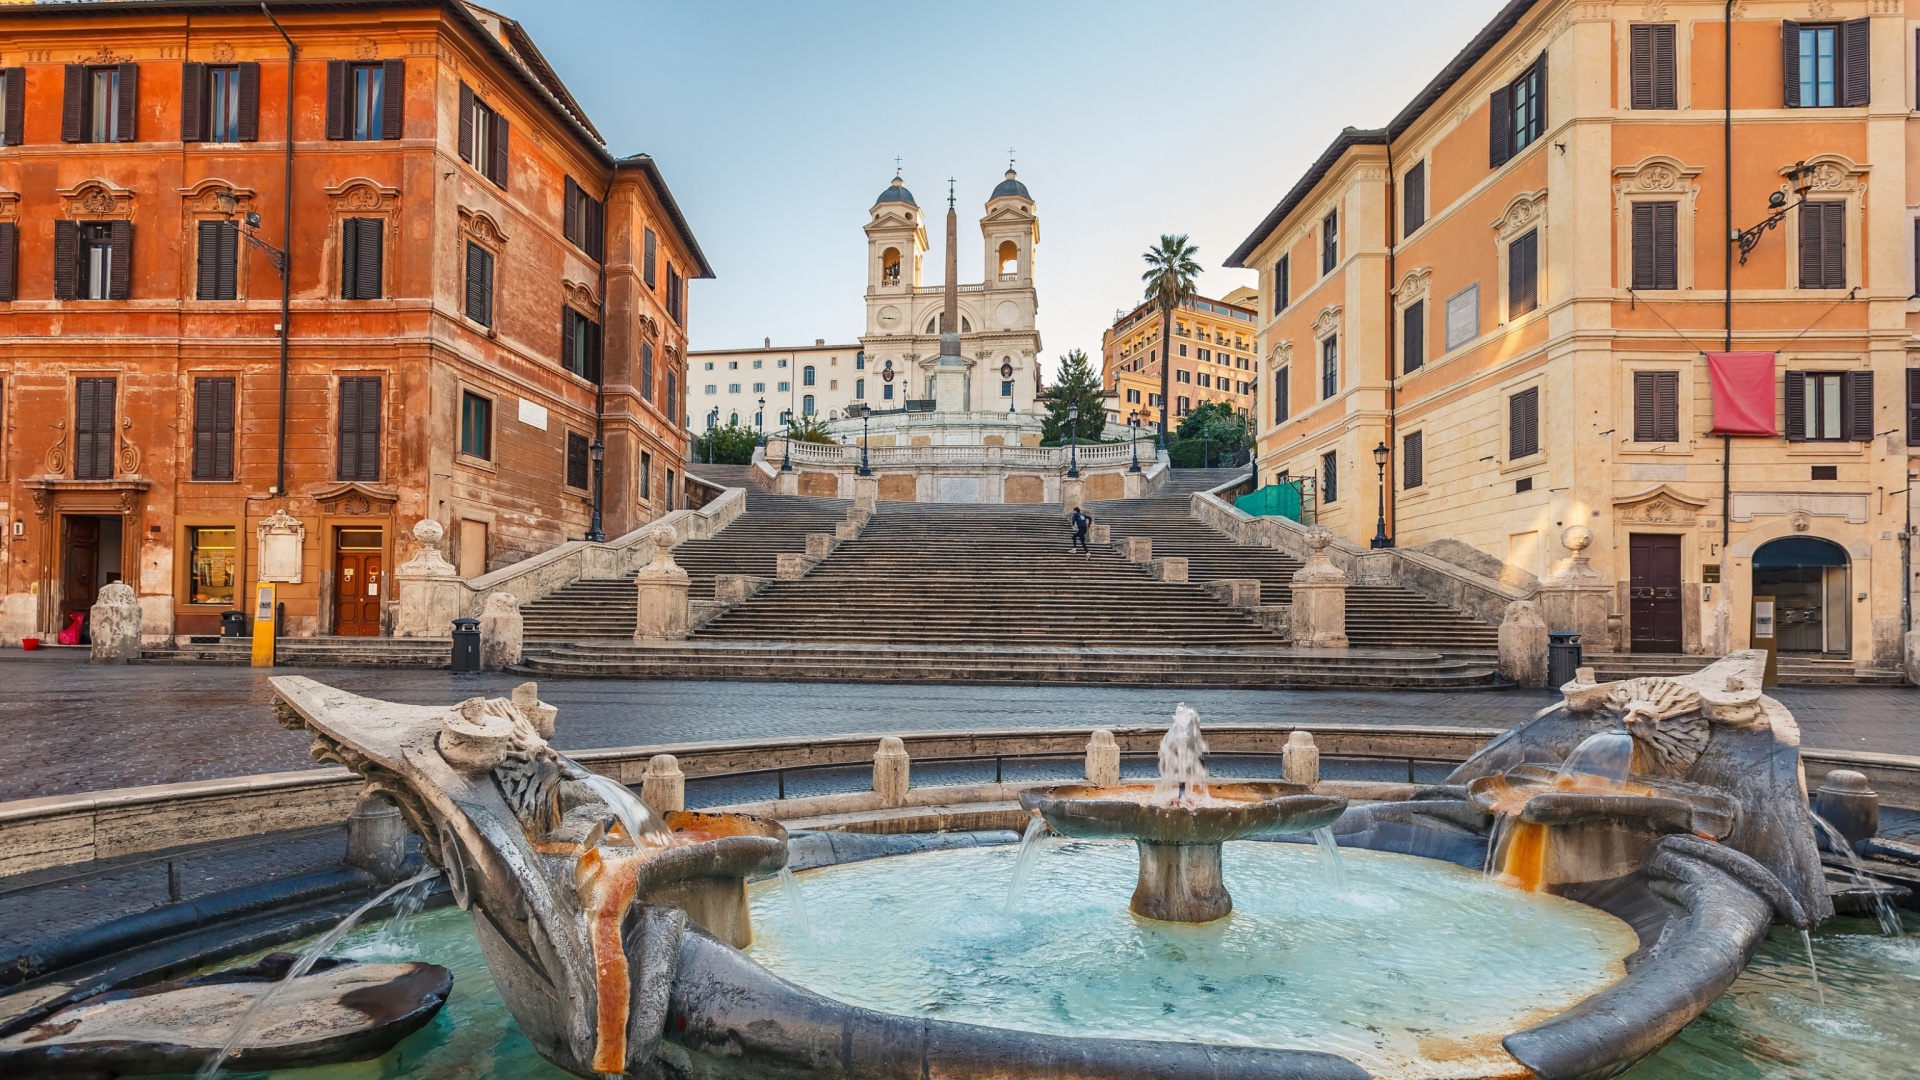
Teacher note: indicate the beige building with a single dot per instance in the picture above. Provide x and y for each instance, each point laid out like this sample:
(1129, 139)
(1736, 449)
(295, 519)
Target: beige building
(1213, 358)
(1513, 288)
(729, 386)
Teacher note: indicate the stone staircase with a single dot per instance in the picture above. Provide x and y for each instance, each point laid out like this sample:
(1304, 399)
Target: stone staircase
(1185, 482)
(1794, 670)
(309, 652)
(1378, 616)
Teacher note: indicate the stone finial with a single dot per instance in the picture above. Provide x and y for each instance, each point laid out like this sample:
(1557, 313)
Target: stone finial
(1319, 538)
(430, 560)
(663, 787)
(474, 739)
(526, 698)
(377, 838)
(429, 533)
(1300, 759)
(1576, 538)
(890, 772)
(1103, 759)
(663, 538)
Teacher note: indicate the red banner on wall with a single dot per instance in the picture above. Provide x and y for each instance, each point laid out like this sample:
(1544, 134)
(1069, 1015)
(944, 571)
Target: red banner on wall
(1743, 395)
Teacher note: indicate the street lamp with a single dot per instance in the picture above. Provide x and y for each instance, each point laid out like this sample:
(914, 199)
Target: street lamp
(713, 420)
(1133, 438)
(865, 411)
(1800, 178)
(1380, 537)
(598, 452)
(786, 443)
(1073, 442)
(760, 422)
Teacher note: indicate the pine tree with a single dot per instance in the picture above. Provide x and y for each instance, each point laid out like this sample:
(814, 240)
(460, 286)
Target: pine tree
(1075, 383)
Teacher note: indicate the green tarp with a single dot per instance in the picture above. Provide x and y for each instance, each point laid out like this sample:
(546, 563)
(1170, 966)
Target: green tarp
(1274, 500)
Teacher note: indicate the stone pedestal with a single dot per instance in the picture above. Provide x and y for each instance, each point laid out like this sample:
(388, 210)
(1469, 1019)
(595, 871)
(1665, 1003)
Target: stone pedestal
(1180, 883)
(377, 839)
(1137, 549)
(663, 787)
(1319, 597)
(846, 530)
(890, 772)
(821, 545)
(114, 622)
(1243, 593)
(502, 632)
(792, 565)
(1577, 597)
(1523, 644)
(866, 493)
(661, 588)
(1099, 534)
(731, 589)
(1300, 759)
(1073, 492)
(428, 591)
(1169, 569)
(1103, 759)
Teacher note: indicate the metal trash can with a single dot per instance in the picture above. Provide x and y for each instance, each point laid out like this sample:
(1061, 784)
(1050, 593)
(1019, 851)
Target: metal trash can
(1563, 657)
(466, 645)
(233, 624)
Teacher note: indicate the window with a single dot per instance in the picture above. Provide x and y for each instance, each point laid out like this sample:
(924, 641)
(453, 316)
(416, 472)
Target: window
(758, 364)
(213, 429)
(646, 370)
(1329, 477)
(13, 100)
(483, 137)
(91, 259)
(673, 393)
(1185, 405)
(783, 386)
(579, 461)
(219, 103)
(1656, 406)
(93, 430)
(1653, 70)
(733, 365)
(212, 572)
(1183, 350)
(9, 260)
(364, 100)
(1523, 424)
(1282, 283)
(1517, 116)
(709, 365)
(1463, 316)
(580, 344)
(1329, 241)
(886, 392)
(859, 389)
(363, 244)
(806, 405)
(1413, 464)
(712, 388)
(1205, 380)
(476, 425)
(646, 475)
(859, 361)
(647, 259)
(583, 221)
(1183, 376)
(1133, 397)
(1829, 406)
(1823, 245)
(1006, 388)
(1913, 406)
(479, 284)
(100, 103)
(219, 259)
(759, 388)
(1656, 258)
(1826, 65)
(1413, 199)
(675, 298)
(806, 376)
(1203, 355)
(1523, 274)
(1413, 337)
(1330, 367)
(733, 388)
(360, 428)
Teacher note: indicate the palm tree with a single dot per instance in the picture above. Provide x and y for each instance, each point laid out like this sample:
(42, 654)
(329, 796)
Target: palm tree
(1169, 278)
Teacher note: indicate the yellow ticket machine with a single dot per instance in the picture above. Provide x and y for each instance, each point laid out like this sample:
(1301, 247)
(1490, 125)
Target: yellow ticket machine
(263, 625)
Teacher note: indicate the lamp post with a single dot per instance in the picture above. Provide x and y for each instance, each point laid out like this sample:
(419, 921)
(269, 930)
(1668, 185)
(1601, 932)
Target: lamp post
(1133, 438)
(713, 420)
(1073, 442)
(786, 442)
(598, 452)
(1380, 537)
(760, 422)
(1800, 178)
(865, 411)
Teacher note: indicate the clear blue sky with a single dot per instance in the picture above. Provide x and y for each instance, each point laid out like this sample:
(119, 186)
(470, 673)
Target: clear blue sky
(777, 125)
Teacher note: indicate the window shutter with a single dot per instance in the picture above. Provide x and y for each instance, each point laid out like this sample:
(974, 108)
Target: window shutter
(349, 264)
(1666, 245)
(1523, 263)
(349, 433)
(479, 285)
(127, 105)
(497, 169)
(223, 420)
(9, 261)
(1643, 244)
(646, 371)
(1790, 63)
(120, 236)
(227, 268)
(1523, 423)
(93, 429)
(1796, 397)
(338, 108)
(1646, 404)
(1413, 460)
(577, 460)
(569, 338)
(369, 256)
(193, 84)
(16, 104)
(73, 108)
(66, 260)
(1857, 388)
(1913, 406)
(1856, 83)
(1540, 118)
(1415, 199)
(1667, 402)
(1833, 245)
(1810, 245)
(1666, 68)
(369, 463)
(393, 98)
(203, 401)
(249, 121)
(206, 287)
(1280, 393)
(647, 259)
(594, 371)
(466, 123)
(1640, 67)
(1500, 128)
(1414, 336)
(598, 223)
(570, 213)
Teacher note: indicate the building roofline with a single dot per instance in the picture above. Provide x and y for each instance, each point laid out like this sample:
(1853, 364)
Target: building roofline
(651, 169)
(1137, 308)
(1482, 43)
(855, 346)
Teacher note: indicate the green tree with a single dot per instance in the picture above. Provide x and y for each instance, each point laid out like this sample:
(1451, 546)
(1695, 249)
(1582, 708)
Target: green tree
(1075, 383)
(1213, 433)
(810, 429)
(1169, 277)
(731, 444)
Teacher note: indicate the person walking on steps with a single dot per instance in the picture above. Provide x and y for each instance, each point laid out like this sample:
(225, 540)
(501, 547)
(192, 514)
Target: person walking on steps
(1081, 523)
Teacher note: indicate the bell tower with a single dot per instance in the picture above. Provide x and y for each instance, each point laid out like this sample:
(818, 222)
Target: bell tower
(1011, 230)
(896, 241)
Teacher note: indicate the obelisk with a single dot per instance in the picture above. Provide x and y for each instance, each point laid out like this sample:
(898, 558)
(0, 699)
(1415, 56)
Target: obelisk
(950, 377)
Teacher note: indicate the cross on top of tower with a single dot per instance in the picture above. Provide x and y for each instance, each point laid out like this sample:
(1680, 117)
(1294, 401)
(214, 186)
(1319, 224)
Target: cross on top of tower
(896, 166)
(1009, 157)
(949, 192)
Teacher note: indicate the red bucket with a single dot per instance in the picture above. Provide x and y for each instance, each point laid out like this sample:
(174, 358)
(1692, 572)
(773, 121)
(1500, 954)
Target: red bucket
(30, 643)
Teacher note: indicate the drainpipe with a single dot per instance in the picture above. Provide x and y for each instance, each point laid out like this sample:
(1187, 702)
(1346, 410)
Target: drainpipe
(596, 530)
(286, 268)
(1726, 179)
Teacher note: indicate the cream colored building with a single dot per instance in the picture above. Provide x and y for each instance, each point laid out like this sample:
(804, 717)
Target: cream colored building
(1514, 284)
(727, 385)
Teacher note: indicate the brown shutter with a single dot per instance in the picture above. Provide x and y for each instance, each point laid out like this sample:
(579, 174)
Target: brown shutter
(249, 121)
(597, 225)
(1523, 259)
(66, 260)
(393, 98)
(1413, 200)
(1796, 397)
(207, 286)
(227, 269)
(203, 401)
(1523, 424)
(73, 108)
(1810, 245)
(1499, 128)
(369, 259)
(369, 429)
(466, 123)
(1853, 45)
(1666, 68)
(16, 119)
(223, 428)
(1640, 67)
(1666, 245)
(1646, 405)
(1643, 244)
(348, 439)
(497, 169)
(577, 460)
(570, 213)
(193, 85)
(1833, 245)
(1540, 118)
(646, 371)
(1413, 337)
(127, 106)
(349, 244)
(647, 263)
(1413, 460)
(1790, 63)
(9, 261)
(93, 429)
(569, 338)
(339, 107)
(120, 237)
(359, 435)
(1667, 405)
(1857, 393)
(1913, 406)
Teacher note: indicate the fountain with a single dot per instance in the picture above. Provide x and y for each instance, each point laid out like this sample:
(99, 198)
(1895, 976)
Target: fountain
(1179, 823)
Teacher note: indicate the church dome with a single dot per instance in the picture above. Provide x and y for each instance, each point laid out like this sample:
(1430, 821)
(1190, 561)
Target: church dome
(897, 192)
(1011, 186)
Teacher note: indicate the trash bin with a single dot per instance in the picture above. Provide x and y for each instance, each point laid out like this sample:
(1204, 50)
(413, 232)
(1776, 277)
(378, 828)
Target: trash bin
(1563, 657)
(466, 645)
(233, 624)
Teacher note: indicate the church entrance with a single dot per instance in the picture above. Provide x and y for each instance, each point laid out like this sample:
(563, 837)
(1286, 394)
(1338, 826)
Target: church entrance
(1810, 582)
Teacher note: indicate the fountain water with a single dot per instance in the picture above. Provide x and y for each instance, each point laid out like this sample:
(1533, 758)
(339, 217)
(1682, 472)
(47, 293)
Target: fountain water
(642, 825)
(1023, 863)
(1813, 969)
(1883, 909)
(1330, 857)
(1183, 773)
(796, 904)
(1604, 754)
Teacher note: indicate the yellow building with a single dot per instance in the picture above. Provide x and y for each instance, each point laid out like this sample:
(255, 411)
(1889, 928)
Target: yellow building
(1514, 287)
(1213, 358)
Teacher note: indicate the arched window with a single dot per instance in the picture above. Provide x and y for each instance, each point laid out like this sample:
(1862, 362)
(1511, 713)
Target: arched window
(806, 377)
(933, 325)
(859, 389)
(733, 419)
(1009, 258)
(890, 266)
(806, 405)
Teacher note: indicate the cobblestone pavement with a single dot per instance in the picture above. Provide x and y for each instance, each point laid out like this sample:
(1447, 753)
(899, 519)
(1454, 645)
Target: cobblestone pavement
(67, 727)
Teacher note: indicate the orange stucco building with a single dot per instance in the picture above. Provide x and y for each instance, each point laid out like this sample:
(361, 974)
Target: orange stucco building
(1513, 288)
(479, 293)
(1213, 358)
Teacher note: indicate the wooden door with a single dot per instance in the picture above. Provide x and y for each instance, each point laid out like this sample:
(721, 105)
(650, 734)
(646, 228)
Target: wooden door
(1654, 594)
(358, 583)
(79, 564)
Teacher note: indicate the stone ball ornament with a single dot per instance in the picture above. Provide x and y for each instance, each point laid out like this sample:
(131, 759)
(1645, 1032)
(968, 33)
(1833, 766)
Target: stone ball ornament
(1576, 538)
(1319, 538)
(429, 532)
